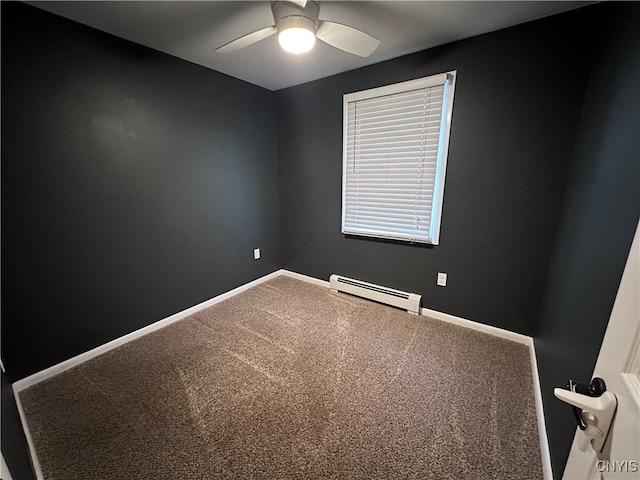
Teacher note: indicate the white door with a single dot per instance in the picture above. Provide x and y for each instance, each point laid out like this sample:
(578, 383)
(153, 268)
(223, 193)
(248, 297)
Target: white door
(619, 365)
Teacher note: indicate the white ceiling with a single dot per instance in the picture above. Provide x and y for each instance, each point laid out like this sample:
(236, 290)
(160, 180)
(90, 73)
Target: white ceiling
(193, 30)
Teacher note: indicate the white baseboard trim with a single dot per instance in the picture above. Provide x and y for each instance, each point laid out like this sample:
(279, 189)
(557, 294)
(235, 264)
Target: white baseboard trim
(305, 278)
(545, 454)
(35, 463)
(83, 357)
(4, 470)
(72, 362)
(480, 327)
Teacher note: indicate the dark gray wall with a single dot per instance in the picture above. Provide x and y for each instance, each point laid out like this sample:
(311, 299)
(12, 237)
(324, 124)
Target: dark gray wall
(599, 219)
(517, 102)
(134, 185)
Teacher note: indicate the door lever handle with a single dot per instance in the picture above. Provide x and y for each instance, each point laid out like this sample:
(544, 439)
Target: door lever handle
(590, 404)
(596, 413)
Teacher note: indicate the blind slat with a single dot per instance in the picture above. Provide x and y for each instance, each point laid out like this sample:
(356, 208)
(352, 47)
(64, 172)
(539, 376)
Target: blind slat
(396, 226)
(364, 116)
(395, 204)
(415, 237)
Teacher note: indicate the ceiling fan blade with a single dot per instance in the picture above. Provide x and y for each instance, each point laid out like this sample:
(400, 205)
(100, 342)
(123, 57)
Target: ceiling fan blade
(247, 40)
(347, 38)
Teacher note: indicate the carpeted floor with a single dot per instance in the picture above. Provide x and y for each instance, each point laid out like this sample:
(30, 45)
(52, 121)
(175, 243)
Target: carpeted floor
(289, 380)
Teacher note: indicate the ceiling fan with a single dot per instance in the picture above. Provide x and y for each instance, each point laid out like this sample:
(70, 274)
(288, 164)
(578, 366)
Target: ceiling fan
(298, 26)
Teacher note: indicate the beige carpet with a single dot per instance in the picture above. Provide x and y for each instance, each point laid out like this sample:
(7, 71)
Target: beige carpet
(289, 380)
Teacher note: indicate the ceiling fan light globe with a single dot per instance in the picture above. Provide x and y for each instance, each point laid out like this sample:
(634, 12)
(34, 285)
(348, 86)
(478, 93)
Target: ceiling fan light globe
(296, 34)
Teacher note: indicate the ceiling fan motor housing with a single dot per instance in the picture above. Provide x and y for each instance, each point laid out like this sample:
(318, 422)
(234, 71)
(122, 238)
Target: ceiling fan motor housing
(297, 22)
(288, 13)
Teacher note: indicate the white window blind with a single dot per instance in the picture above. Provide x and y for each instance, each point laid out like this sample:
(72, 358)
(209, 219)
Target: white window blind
(394, 159)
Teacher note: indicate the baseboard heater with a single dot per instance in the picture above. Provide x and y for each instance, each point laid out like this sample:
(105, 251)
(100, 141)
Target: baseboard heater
(397, 298)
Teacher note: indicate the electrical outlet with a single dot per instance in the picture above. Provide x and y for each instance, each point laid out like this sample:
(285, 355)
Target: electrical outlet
(442, 279)
(256, 253)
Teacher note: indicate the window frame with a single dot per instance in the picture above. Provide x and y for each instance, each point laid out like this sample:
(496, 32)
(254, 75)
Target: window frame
(448, 80)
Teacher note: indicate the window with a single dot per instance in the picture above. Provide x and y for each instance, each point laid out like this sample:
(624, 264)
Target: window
(394, 159)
